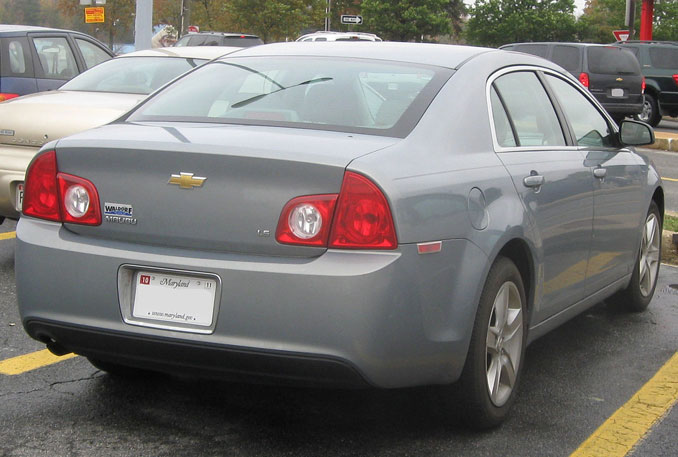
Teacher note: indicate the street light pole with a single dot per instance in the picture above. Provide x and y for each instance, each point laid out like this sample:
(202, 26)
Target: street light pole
(327, 15)
(143, 25)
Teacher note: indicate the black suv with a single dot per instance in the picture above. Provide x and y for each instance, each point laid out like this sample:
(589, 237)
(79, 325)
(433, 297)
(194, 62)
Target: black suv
(219, 39)
(612, 75)
(34, 59)
(659, 64)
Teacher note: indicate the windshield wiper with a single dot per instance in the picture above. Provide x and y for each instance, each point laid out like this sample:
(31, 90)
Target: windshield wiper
(247, 101)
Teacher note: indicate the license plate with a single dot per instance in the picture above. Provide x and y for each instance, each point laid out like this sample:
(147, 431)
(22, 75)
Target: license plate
(617, 92)
(19, 196)
(177, 299)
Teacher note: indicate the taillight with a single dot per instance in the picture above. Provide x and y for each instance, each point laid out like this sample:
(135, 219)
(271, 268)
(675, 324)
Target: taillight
(306, 220)
(4, 96)
(643, 85)
(41, 196)
(358, 218)
(675, 79)
(59, 197)
(584, 79)
(79, 199)
(363, 217)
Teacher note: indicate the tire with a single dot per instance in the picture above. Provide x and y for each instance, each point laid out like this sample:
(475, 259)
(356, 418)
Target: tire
(650, 113)
(637, 296)
(117, 370)
(489, 381)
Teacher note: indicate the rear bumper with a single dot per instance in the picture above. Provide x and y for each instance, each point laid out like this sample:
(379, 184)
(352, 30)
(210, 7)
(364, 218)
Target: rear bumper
(387, 319)
(623, 108)
(14, 161)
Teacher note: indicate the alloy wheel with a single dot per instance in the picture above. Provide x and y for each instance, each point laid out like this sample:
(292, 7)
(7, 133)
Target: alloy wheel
(649, 255)
(504, 343)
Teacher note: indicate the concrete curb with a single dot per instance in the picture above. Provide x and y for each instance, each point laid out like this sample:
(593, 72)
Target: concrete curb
(665, 142)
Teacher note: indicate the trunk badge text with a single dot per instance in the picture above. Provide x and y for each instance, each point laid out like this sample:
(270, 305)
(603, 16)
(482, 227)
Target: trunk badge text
(187, 180)
(119, 213)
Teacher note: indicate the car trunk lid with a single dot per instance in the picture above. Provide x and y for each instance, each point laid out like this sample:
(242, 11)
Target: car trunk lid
(236, 180)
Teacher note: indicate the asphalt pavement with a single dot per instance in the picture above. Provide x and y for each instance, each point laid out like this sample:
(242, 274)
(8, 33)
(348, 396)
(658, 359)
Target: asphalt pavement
(575, 378)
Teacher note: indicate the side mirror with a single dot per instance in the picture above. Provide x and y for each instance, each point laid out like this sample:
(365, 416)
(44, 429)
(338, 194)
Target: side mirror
(636, 133)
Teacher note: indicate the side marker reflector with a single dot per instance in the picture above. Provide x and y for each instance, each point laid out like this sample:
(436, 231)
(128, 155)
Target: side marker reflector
(429, 248)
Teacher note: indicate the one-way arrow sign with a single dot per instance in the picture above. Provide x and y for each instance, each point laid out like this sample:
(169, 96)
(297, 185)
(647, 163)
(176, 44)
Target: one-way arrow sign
(351, 19)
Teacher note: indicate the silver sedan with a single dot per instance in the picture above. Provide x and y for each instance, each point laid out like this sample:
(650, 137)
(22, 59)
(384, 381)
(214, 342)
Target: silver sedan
(385, 215)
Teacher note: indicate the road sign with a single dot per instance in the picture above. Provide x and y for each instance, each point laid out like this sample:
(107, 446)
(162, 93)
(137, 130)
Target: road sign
(621, 35)
(193, 29)
(93, 15)
(351, 19)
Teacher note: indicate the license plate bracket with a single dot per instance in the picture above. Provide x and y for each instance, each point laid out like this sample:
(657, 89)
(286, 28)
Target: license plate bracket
(617, 92)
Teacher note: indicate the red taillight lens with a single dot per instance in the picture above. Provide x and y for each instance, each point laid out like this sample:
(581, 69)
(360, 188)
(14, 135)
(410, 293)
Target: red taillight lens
(363, 217)
(584, 79)
(41, 196)
(306, 220)
(59, 197)
(79, 199)
(4, 96)
(675, 79)
(643, 85)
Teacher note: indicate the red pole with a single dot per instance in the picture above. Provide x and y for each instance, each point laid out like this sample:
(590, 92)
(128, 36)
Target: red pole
(646, 14)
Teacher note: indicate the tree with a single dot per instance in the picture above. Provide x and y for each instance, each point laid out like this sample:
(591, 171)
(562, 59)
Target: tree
(497, 22)
(272, 20)
(406, 20)
(118, 25)
(665, 24)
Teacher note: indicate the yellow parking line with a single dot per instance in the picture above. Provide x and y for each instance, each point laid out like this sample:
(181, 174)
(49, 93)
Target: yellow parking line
(622, 431)
(670, 179)
(27, 362)
(7, 235)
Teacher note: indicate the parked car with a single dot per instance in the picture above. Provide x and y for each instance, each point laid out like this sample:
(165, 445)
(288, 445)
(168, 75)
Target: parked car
(389, 215)
(613, 77)
(241, 40)
(34, 59)
(659, 64)
(339, 36)
(89, 100)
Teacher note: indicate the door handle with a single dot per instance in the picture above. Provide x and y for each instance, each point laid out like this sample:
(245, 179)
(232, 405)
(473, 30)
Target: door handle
(533, 180)
(600, 172)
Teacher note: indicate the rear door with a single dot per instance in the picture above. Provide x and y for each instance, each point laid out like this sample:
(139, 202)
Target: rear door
(553, 183)
(54, 59)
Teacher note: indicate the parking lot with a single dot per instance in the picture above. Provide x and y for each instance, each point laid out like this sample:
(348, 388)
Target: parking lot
(576, 378)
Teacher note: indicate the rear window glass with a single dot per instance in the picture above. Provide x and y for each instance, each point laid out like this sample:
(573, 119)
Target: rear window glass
(348, 95)
(664, 57)
(133, 75)
(567, 57)
(15, 57)
(534, 49)
(243, 42)
(610, 60)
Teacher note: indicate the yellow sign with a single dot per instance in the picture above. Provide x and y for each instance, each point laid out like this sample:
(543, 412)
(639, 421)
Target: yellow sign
(94, 15)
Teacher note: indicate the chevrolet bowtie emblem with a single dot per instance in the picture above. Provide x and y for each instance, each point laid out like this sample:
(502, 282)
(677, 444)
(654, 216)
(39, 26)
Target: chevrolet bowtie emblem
(620, 79)
(186, 180)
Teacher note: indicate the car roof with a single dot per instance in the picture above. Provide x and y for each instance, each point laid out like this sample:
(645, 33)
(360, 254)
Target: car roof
(450, 56)
(194, 52)
(246, 35)
(9, 28)
(567, 43)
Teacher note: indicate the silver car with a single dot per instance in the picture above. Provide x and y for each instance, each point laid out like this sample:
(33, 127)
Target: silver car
(383, 215)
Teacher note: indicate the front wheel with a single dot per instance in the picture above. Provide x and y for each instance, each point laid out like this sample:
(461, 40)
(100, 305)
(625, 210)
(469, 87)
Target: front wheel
(637, 296)
(493, 365)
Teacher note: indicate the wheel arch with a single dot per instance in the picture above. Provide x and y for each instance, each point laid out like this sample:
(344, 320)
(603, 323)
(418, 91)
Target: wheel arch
(518, 251)
(658, 198)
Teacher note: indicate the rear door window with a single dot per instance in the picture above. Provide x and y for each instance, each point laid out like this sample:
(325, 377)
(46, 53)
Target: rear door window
(534, 49)
(56, 57)
(529, 109)
(611, 60)
(567, 57)
(664, 57)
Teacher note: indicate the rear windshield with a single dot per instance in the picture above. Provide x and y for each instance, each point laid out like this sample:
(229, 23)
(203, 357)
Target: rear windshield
(534, 49)
(567, 57)
(132, 75)
(610, 60)
(348, 95)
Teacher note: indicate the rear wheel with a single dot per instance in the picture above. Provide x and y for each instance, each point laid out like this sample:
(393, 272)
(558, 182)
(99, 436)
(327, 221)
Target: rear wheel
(650, 113)
(493, 366)
(637, 296)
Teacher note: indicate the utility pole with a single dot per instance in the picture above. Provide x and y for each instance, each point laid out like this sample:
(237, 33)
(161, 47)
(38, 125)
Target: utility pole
(185, 16)
(630, 18)
(143, 25)
(327, 15)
